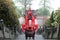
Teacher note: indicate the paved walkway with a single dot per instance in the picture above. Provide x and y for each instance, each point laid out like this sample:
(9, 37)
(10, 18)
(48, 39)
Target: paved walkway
(22, 37)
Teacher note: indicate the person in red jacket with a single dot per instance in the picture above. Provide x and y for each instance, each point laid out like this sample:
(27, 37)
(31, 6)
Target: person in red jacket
(29, 27)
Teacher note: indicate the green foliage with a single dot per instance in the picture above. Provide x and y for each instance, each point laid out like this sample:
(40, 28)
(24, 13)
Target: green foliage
(48, 23)
(45, 8)
(55, 24)
(21, 9)
(57, 15)
(51, 21)
(44, 11)
(8, 13)
(54, 19)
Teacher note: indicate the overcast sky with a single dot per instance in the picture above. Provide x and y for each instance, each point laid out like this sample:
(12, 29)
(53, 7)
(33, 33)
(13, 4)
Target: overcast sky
(35, 4)
(55, 4)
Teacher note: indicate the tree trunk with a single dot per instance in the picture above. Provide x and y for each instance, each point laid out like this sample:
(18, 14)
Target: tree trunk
(3, 31)
(59, 31)
(52, 31)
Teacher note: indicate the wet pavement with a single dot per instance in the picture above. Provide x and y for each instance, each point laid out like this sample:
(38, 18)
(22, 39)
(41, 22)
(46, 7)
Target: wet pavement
(22, 37)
